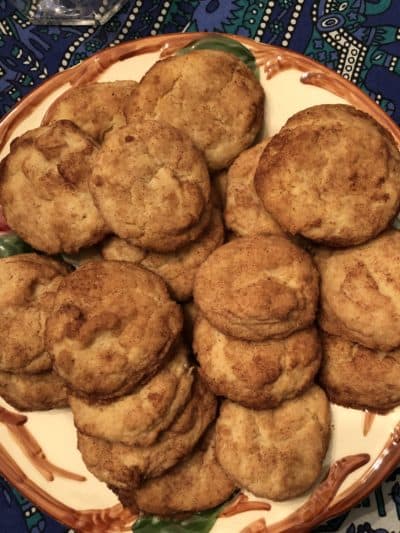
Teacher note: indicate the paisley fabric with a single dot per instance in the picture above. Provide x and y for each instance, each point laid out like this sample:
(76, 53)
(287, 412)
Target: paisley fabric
(360, 39)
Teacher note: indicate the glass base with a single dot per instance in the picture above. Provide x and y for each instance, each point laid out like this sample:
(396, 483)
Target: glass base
(72, 12)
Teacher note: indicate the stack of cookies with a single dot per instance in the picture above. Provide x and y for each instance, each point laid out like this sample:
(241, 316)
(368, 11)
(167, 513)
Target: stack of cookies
(257, 346)
(346, 192)
(360, 307)
(151, 180)
(138, 404)
(28, 283)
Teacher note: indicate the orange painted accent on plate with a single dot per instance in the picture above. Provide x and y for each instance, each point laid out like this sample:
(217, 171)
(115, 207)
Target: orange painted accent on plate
(259, 526)
(386, 461)
(241, 504)
(315, 508)
(30, 446)
(368, 421)
(11, 418)
(112, 519)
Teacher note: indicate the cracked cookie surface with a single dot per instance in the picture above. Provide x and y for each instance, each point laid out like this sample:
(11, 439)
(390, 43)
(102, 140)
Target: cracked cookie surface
(244, 213)
(113, 325)
(275, 453)
(28, 283)
(256, 374)
(210, 95)
(138, 418)
(126, 467)
(360, 292)
(332, 174)
(258, 287)
(95, 108)
(44, 183)
(178, 269)
(152, 186)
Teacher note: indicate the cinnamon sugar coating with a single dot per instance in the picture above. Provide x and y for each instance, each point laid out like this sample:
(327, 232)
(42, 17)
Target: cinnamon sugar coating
(139, 417)
(113, 326)
(195, 484)
(28, 283)
(44, 189)
(95, 108)
(125, 467)
(355, 376)
(256, 374)
(257, 288)
(33, 392)
(275, 453)
(178, 269)
(332, 174)
(360, 292)
(210, 95)
(152, 186)
(244, 213)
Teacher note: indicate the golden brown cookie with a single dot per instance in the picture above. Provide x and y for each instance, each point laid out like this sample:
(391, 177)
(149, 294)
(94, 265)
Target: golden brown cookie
(360, 292)
(33, 392)
(95, 108)
(44, 190)
(257, 375)
(257, 287)
(195, 484)
(244, 213)
(332, 175)
(357, 377)
(28, 283)
(210, 95)
(138, 418)
(152, 185)
(125, 467)
(113, 325)
(275, 453)
(177, 269)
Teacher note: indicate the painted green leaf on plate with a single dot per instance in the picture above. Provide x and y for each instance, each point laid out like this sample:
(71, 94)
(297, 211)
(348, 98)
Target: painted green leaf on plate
(11, 244)
(223, 44)
(197, 523)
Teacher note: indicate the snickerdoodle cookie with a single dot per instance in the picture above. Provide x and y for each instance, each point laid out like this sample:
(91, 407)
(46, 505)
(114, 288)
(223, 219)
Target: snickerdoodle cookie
(195, 484)
(360, 292)
(256, 374)
(138, 418)
(355, 376)
(33, 392)
(210, 95)
(28, 283)
(113, 325)
(44, 189)
(125, 467)
(275, 453)
(152, 186)
(244, 213)
(258, 287)
(178, 268)
(328, 165)
(95, 108)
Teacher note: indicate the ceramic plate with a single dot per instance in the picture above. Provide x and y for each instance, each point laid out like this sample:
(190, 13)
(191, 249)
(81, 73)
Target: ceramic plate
(39, 455)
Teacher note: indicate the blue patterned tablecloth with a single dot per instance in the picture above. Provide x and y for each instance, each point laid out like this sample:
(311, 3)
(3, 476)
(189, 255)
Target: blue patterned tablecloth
(324, 30)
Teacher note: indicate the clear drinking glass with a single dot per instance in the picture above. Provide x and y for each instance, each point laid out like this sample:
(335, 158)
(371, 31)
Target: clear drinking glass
(70, 12)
